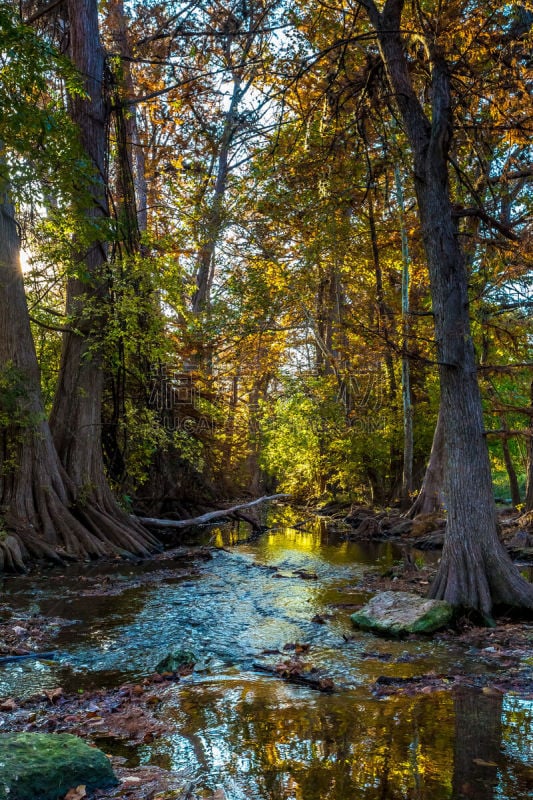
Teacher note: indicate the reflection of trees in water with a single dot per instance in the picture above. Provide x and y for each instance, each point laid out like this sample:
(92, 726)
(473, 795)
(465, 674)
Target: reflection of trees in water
(334, 748)
(477, 751)
(517, 738)
(273, 744)
(493, 746)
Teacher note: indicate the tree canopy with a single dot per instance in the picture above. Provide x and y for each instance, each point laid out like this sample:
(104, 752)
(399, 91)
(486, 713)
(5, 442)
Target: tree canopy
(265, 245)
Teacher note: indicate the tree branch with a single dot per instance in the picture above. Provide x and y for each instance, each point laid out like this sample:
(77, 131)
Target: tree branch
(155, 522)
(41, 12)
(388, 28)
(488, 219)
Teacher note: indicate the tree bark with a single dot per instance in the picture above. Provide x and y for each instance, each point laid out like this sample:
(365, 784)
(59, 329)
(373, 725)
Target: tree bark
(384, 314)
(132, 188)
(76, 415)
(475, 571)
(429, 500)
(37, 500)
(509, 466)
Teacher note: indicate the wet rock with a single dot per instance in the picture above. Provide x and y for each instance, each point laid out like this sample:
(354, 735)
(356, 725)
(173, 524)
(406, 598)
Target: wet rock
(400, 613)
(176, 660)
(46, 766)
(305, 575)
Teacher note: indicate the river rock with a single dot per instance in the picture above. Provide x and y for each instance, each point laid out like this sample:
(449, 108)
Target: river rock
(175, 660)
(47, 765)
(399, 613)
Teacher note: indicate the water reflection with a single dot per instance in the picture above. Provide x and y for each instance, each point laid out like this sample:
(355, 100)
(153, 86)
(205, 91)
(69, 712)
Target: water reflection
(250, 599)
(260, 739)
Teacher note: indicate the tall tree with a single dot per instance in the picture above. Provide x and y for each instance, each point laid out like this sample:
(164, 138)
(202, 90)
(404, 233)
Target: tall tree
(37, 499)
(41, 510)
(77, 411)
(475, 571)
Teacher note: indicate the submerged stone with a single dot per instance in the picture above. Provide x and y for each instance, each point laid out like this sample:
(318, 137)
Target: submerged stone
(173, 662)
(47, 765)
(400, 613)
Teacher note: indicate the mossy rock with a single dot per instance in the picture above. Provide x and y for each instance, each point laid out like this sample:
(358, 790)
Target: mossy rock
(173, 662)
(400, 613)
(47, 765)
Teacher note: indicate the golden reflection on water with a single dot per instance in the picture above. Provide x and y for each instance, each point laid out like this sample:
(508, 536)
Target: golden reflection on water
(262, 739)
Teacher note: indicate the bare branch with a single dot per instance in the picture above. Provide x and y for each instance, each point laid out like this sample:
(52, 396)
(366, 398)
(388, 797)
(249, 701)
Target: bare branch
(41, 12)
(154, 522)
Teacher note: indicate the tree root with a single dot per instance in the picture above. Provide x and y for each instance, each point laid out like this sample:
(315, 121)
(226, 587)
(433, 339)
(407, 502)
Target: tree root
(480, 580)
(58, 533)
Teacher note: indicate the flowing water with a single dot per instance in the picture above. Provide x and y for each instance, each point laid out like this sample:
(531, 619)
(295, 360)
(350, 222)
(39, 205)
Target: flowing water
(253, 735)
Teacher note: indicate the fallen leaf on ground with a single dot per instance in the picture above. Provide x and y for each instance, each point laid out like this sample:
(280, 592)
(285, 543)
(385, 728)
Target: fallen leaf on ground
(76, 794)
(53, 694)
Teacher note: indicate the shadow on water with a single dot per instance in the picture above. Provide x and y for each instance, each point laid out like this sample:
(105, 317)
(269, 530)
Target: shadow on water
(255, 736)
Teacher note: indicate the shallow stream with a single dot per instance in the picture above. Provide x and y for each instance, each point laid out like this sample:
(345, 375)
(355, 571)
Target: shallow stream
(253, 735)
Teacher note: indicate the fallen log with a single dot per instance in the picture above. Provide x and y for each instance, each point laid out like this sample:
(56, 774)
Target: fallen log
(49, 656)
(155, 522)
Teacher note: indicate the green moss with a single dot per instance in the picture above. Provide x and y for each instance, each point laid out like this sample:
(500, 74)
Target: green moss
(46, 766)
(437, 617)
(399, 613)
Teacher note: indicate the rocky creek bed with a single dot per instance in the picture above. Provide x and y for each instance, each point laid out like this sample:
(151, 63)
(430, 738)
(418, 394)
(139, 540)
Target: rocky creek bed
(286, 699)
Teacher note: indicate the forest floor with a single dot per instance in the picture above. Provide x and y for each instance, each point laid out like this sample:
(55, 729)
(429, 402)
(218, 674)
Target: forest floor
(129, 713)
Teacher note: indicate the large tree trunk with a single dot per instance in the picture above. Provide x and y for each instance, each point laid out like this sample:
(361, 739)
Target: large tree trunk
(76, 415)
(132, 189)
(38, 515)
(475, 571)
(77, 411)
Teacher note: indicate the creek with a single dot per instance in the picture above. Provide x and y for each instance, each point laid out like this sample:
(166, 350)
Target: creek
(253, 735)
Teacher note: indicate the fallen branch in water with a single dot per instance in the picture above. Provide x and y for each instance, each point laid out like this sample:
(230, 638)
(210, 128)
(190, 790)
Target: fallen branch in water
(292, 672)
(49, 656)
(155, 522)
